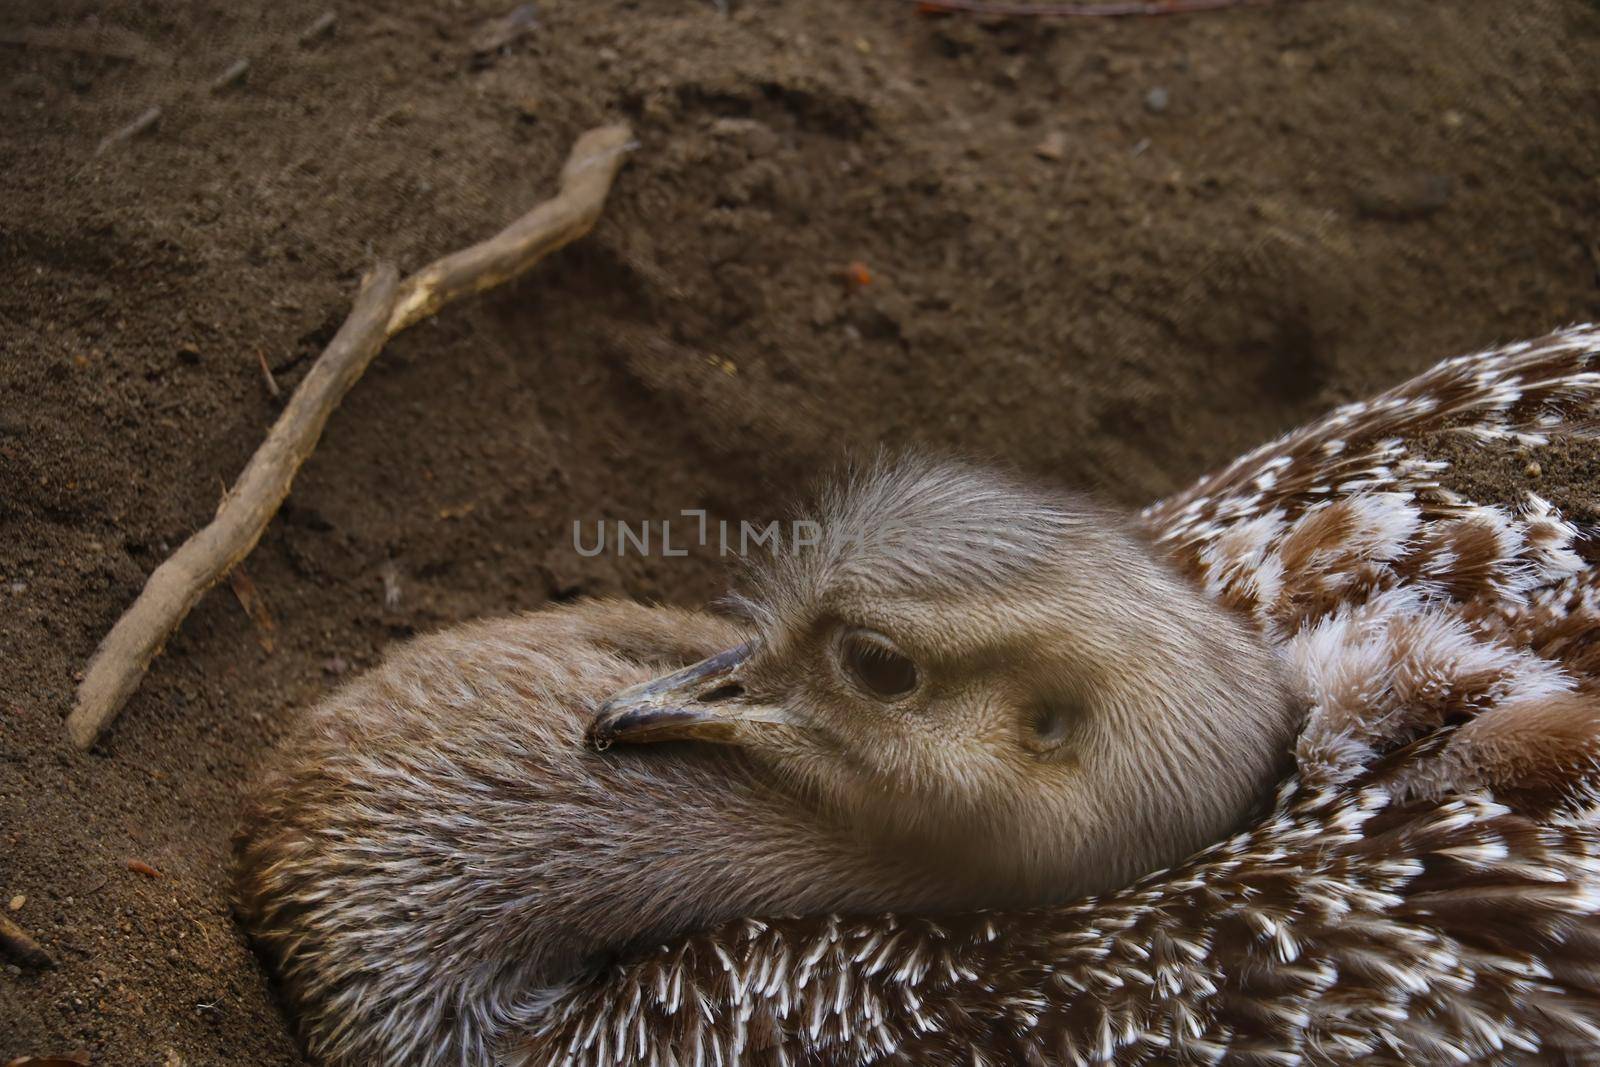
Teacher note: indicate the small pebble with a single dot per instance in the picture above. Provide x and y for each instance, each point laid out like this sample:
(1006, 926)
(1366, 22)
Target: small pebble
(1053, 147)
(1533, 470)
(17, 902)
(1156, 100)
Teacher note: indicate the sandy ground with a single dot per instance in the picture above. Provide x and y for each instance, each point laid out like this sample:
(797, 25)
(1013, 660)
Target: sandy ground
(1113, 253)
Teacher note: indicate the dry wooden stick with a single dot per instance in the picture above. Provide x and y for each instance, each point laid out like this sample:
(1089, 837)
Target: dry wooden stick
(585, 180)
(175, 586)
(383, 308)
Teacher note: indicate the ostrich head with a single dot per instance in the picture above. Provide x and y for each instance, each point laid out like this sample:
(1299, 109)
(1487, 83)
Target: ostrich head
(1006, 680)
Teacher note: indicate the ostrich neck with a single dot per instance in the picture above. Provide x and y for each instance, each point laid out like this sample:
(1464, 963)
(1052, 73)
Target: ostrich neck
(657, 843)
(692, 838)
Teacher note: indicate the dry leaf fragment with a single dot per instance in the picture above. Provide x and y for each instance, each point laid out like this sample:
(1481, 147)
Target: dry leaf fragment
(141, 867)
(17, 943)
(78, 1058)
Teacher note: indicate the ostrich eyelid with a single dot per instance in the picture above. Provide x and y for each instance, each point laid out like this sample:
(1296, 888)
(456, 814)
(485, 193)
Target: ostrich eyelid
(874, 665)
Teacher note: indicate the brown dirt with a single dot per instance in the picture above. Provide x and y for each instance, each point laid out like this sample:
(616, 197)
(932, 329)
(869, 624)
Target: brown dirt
(1336, 194)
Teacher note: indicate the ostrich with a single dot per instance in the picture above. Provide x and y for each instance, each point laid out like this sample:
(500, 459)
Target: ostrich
(1029, 750)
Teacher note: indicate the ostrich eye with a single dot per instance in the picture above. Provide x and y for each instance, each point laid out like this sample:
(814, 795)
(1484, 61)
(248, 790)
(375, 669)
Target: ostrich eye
(874, 664)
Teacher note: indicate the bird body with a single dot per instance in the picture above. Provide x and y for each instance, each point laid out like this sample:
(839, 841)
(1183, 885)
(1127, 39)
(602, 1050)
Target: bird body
(1423, 886)
(439, 854)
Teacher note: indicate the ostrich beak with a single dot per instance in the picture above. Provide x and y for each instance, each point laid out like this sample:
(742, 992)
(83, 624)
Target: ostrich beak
(703, 702)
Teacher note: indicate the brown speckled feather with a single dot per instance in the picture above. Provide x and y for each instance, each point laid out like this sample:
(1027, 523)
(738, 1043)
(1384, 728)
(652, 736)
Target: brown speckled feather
(1425, 890)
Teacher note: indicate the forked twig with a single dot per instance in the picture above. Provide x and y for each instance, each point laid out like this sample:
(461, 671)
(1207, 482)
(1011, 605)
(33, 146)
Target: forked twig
(383, 308)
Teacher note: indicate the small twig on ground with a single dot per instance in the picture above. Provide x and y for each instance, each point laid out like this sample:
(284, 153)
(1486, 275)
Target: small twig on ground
(149, 118)
(266, 375)
(255, 606)
(1121, 9)
(236, 71)
(228, 78)
(324, 24)
(20, 946)
(383, 308)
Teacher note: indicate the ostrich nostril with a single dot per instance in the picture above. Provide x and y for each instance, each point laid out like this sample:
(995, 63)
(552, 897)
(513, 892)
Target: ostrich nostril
(730, 691)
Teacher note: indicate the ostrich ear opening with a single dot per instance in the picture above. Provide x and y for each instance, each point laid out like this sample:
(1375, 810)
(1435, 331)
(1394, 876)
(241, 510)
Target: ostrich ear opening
(703, 702)
(1049, 725)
